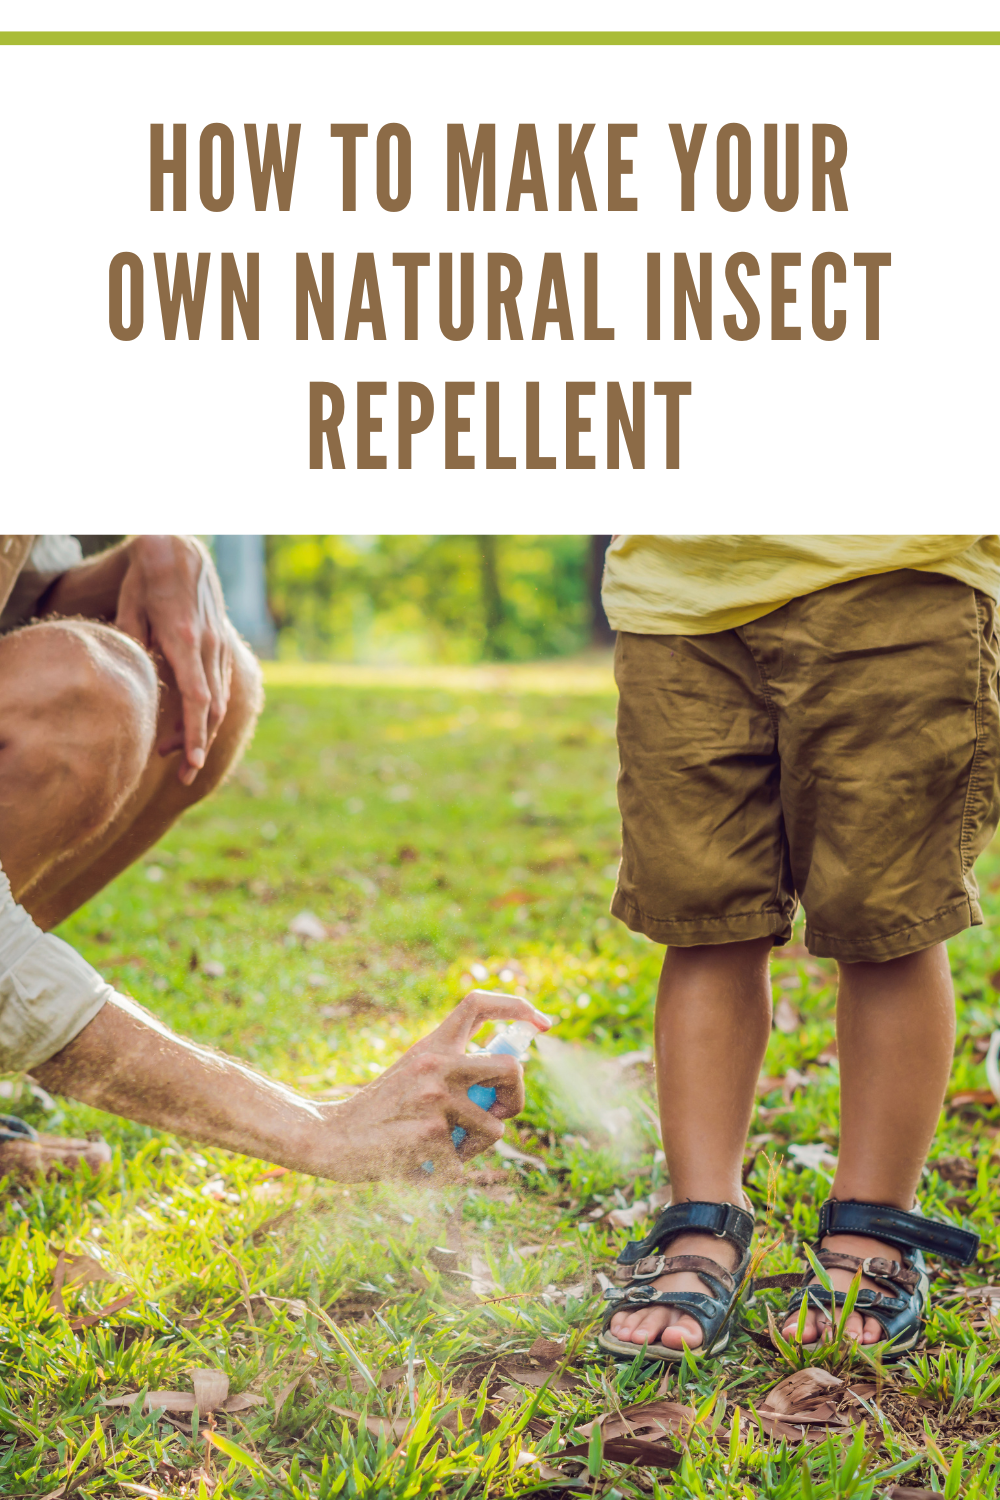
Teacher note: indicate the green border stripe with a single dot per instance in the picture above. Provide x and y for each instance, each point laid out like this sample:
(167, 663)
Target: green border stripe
(499, 38)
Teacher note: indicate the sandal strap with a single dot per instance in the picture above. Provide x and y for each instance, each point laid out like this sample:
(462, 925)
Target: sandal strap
(896, 1227)
(652, 1266)
(867, 1300)
(724, 1220)
(875, 1266)
(692, 1302)
(12, 1128)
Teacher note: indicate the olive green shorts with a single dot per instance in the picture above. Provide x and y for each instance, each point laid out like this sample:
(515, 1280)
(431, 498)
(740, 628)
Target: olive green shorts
(842, 751)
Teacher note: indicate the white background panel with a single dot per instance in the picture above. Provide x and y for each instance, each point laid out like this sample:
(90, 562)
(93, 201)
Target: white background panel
(851, 435)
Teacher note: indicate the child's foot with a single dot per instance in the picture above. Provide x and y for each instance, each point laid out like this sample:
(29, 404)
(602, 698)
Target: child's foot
(865, 1330)
(670, 1325)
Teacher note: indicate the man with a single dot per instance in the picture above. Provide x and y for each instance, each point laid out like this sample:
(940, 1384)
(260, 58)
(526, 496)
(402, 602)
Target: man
(126, 699)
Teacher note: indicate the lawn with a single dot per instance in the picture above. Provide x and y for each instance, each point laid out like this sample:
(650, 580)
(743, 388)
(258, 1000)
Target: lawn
(447, 829)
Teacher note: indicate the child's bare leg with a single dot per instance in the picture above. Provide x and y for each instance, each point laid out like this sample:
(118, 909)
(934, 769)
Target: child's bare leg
(896, 1038)
(713, 1019)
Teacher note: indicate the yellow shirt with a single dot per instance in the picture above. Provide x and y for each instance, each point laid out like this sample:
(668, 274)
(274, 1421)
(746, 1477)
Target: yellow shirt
(694, 585)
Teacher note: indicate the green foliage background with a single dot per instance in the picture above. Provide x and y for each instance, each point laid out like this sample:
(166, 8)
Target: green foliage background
(429, 598)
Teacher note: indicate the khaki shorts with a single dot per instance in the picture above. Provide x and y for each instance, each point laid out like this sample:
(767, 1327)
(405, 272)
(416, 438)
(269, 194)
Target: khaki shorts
(842, 751)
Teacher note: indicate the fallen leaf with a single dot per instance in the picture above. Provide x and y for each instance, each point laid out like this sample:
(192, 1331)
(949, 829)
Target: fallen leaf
(801, 1389)
(74, 1270)
(243, 1402)
(511, 1153)
(547, 1351)
(481, 1279)
(632, 1451)
(514, 898)
(650, 1420)
(972, 1096)
(535, 1375)
(396, 1374)
(81, 1269)
(213, 969)
(285, 1391)
(766, 1085)
(812, 1154)
(169, 1401)
(104, 1312)
(626, 1218)
(829, 1053)
(555, 1478)
(293, 1306)
(786, 1018)
(911, 1492)
(577, 1290)
(774, 1427)
(792, 1082)
(178, 1401)
(396, 1428)
(803, 1401)
(308, 927)
(990, 1294)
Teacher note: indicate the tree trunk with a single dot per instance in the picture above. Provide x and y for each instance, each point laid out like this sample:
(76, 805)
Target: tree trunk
(493, 610)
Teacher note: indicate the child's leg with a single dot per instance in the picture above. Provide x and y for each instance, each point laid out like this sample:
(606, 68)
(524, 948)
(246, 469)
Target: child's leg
(896, 1037)
(713, 1019)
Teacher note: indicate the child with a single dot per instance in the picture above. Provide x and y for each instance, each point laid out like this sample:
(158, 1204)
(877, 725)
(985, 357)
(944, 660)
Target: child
(807, 719)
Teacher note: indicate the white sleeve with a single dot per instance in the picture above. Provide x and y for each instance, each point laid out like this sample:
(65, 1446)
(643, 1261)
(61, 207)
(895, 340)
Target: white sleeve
(48, 993)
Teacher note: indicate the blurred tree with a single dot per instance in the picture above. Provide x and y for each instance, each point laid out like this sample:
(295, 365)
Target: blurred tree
(429, 598)
(493, 610)
(241, 561)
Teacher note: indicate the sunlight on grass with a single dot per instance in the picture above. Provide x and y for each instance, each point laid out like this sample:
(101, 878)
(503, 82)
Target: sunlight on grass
(445, 828)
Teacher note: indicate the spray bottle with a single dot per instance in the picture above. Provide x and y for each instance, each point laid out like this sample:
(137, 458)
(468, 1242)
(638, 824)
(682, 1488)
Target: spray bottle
(513, 1041)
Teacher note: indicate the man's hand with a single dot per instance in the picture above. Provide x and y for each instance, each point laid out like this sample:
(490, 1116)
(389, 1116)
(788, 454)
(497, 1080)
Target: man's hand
(393, 1126)
(171, 602)
(128, 1062)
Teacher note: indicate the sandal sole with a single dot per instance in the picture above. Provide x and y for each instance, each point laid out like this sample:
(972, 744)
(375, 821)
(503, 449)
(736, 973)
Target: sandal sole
(659, 1352)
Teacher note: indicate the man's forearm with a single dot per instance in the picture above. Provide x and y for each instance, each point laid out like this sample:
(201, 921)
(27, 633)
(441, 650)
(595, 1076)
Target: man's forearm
(126, 1062)
(399, 1125)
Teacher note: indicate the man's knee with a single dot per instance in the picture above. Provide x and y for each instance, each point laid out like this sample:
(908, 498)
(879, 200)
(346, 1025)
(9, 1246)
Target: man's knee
(77, 715)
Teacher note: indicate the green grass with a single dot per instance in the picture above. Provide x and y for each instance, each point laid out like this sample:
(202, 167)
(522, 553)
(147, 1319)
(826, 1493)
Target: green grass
(439, 833)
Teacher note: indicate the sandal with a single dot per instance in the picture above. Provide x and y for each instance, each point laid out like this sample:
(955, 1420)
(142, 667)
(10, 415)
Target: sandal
(638, 1265)
(25, 1153)
(900, 1310)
